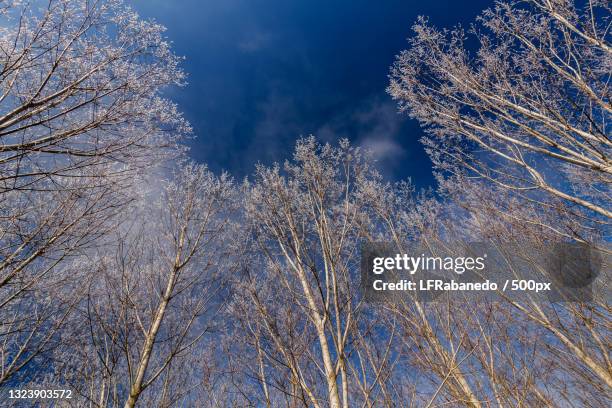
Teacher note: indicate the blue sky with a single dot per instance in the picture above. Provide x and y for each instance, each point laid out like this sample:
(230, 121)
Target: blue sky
(264, 73)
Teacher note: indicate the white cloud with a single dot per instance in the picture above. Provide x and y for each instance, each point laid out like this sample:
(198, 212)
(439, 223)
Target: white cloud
(382, 149)
(375, 127)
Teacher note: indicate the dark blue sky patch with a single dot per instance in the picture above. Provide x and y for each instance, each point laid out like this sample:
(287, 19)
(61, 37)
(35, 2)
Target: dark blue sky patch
(264, 73)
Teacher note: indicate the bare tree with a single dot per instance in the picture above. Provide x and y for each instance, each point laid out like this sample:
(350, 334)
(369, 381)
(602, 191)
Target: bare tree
(156, 290)
(80, 114)
(301, 303)
(528, 111)
(519, 131)
(579, 326)
(81, 84)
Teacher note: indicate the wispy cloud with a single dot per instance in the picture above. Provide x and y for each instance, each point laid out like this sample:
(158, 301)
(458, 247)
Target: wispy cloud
(255, 41)
(375, 126)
